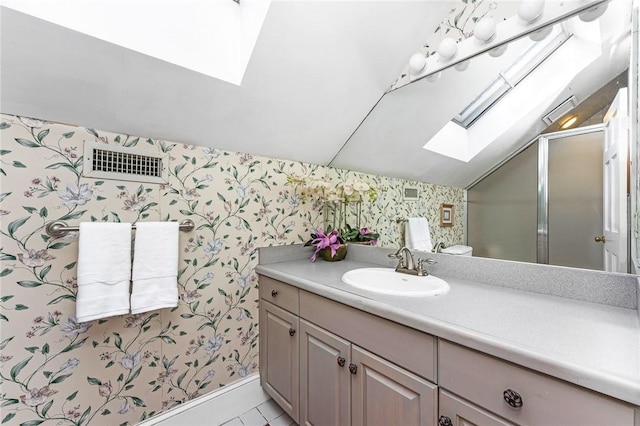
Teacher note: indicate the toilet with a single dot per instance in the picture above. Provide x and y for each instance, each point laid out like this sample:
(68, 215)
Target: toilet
(458, 250)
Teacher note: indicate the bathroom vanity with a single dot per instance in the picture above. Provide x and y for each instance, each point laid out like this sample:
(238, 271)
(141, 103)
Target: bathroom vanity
(480, 354)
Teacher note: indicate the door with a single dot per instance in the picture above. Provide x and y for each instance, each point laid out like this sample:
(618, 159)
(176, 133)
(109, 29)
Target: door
(279, 369)
(383, 394)
(615, 174)
(324, 377)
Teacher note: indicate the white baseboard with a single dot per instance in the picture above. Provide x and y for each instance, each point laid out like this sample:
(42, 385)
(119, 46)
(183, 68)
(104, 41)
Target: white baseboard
(216, 407)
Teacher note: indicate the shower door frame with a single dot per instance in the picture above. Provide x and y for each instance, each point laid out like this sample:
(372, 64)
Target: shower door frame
(542, 241)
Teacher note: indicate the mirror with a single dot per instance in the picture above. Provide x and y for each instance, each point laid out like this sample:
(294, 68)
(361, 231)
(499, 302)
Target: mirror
(594, 57)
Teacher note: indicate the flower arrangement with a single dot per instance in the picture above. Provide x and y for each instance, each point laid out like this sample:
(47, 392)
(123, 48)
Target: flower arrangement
(330, 241)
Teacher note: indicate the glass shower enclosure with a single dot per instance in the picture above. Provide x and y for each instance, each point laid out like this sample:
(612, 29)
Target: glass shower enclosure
(545, 204)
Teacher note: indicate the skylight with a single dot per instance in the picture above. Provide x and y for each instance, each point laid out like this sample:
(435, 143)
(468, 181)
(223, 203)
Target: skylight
(212, 37)
(510, 77)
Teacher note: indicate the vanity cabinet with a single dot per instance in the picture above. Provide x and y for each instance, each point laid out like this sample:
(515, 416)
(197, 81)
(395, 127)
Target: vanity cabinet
(350, 371)
(326, 363)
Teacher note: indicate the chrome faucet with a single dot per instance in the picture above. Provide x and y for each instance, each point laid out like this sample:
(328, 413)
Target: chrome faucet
(438, 247)
(406, 264)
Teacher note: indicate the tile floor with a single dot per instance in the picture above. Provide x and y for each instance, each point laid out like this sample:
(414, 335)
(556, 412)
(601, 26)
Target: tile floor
(266, 414)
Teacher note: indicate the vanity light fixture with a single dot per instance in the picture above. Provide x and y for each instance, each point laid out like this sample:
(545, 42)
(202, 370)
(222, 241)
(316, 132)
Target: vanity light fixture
(461, 66)
(569, 122)
(498, 51)
(432, 78)
(530, 10)
(541, 34)
(485, 30)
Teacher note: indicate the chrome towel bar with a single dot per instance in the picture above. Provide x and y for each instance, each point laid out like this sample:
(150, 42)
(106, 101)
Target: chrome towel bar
(58, 228)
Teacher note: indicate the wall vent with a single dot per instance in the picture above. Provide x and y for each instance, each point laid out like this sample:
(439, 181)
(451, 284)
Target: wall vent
(115, 162)
(560, 110)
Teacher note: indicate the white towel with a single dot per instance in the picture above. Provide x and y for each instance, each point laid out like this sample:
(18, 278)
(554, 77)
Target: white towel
(416, 234)
(155, 267)
(104, 270)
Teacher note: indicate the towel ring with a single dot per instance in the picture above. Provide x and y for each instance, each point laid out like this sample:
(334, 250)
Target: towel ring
(58, 228)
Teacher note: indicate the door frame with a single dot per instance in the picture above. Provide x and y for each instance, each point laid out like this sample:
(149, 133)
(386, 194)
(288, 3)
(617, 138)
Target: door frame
(542, 241)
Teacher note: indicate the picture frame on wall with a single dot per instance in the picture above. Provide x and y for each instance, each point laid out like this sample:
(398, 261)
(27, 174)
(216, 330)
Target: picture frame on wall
(446, 214)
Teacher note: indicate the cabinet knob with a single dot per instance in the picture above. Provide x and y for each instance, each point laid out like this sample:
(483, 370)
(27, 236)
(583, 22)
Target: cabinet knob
(444, 421)
(292, 332)
(341, 361)
(274, 293)
(512, 398)
(353, 369)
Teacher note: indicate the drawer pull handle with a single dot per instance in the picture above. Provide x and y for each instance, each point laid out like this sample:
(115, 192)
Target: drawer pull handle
(444, 421)
(274, 293)
(341, 361)
(292, 332)
(512, 398)
(353, 369)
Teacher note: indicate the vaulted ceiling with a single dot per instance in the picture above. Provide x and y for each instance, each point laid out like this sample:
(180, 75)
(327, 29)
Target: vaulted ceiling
(313, 89)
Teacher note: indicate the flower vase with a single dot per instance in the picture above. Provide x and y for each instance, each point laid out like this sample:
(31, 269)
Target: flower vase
(341, 253)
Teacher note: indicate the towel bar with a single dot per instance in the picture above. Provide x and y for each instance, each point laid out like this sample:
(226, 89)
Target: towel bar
(58, 228)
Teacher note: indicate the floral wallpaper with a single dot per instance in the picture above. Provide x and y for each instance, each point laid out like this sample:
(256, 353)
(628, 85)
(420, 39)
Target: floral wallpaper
(123, 369)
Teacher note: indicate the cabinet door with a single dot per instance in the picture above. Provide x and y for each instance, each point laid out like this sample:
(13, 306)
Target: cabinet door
(324, 377)
(455, 411)
(386, 395)
(279, 368)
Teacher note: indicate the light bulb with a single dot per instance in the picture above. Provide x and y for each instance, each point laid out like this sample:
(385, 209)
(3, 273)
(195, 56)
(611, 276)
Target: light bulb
(593, 13)
(498, 51)
(447, 49)
(417, 63)
(434, 77)
(485, 30)
(461, 66)
(530, 10)
(541, 34)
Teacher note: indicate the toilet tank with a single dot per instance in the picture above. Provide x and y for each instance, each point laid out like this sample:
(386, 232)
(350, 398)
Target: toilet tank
(458, 250)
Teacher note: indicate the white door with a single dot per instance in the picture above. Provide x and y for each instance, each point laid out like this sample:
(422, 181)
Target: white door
(616, 145)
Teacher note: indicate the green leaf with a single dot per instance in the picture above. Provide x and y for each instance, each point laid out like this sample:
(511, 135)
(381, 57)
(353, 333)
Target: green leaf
(72, 396)
(75, 345)
(46, 408)
(130, 143)
(4, 125)
(185, 212)
(44, 271)
(73, 215)
(57, 246)
(29, 284)
(7, 402)
(118, 341)
(45, 349)
(31, 349)
(5, 272)
(70, 266)
(133, 376)
(4, 343)
(43, 134)
(27, 143)
(94, 381)
(20, 307)
(93, 132)
(61, 298)
(84, 415)
(61, 379)
(13, 226)
(32, 423)
(68, 134)
(43, 212)
(138, 402)
(15, 370)
(19, 165)
(11, 415)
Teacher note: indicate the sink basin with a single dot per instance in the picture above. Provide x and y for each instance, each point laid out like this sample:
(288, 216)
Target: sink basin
(388, 281)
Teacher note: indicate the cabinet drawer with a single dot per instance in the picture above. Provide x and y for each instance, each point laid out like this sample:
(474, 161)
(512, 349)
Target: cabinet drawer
(483, 380)
(458, 412)
(404, 346)
(279, 293)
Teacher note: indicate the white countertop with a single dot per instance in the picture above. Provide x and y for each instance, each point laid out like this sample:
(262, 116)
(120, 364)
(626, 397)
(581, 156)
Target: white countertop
(590, 344)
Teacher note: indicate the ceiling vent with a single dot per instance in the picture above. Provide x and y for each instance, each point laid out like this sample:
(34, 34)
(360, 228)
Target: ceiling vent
(560, 110)
(119, 163)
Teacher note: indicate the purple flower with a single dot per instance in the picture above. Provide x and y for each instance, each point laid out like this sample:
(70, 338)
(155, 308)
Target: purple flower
(76, 195)
(214, 344)
(72, 328)
(322, 241)
(130, 361)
